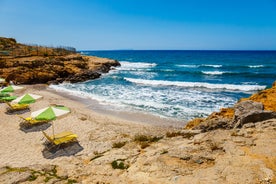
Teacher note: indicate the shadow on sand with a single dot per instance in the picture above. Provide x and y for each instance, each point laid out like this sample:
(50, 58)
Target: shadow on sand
(25, 127)
(68, 149)
(14, 112)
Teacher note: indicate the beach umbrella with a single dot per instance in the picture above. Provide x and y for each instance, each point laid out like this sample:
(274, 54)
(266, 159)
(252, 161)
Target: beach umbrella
(7, 98)
(11, 88)
(4, 94)
(50, 113)
(27, 99)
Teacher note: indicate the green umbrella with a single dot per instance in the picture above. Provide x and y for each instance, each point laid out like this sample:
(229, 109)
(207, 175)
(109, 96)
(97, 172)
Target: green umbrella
(50, 113)
(4, 94)
(7, 98)
(11, 88)
(27, 99)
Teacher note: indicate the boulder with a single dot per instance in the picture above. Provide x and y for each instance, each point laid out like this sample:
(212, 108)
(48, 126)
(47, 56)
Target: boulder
(257, 117)
(245, 107)
(251, 112)
(216, 123)
(267, 97)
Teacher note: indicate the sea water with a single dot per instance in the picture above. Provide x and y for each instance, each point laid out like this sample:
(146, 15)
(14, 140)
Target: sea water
(178, 85)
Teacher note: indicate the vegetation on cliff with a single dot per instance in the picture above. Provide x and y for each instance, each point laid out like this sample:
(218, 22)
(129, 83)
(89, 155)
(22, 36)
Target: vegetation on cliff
(34, 64)
(10, 48)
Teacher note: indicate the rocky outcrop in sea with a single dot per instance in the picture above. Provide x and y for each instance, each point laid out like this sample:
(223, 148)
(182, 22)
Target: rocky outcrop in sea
(38, 69)
(25, 64)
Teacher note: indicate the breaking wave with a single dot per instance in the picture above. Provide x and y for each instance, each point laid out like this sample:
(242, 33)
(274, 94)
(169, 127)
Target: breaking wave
(196, 85)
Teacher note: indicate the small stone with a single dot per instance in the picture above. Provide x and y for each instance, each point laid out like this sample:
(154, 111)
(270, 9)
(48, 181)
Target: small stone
(199, 161)
(249, 125)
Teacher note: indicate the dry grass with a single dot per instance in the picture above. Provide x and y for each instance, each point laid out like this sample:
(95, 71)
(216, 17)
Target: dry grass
(118, 144)
(173, 134)
(145, 140)
(10, 48)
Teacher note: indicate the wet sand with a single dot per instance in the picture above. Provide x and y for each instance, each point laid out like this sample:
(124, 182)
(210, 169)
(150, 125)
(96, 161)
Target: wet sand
(133, 116)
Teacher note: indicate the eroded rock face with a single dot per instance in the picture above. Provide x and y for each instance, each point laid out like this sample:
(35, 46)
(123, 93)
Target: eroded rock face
(250, 112)
(55, 69)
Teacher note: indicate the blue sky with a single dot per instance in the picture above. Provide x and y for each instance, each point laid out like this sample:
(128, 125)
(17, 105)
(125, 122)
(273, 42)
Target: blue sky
(142, 24)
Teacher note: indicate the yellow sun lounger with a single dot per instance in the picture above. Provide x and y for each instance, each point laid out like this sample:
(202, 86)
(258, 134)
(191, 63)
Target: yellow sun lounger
(32, 121)
(17, 107)
(61, 138)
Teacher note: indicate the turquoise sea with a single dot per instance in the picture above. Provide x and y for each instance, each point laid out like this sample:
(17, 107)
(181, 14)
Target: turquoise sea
(179, 85)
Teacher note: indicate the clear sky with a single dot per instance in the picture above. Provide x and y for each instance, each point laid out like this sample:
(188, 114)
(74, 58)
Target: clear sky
(142, 24)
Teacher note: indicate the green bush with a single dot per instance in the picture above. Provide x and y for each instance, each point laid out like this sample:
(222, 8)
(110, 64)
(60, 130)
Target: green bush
(118, 144)
(119, 164)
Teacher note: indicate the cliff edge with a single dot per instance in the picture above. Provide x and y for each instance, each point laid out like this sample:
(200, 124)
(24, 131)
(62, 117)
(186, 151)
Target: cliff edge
(26, 64)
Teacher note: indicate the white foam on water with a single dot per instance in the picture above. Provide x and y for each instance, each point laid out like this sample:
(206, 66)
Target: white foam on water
(256, 66)
(188, 66)
(125, 65)
(213, 72)
(213, 66)
(196, 84)
(182, 104)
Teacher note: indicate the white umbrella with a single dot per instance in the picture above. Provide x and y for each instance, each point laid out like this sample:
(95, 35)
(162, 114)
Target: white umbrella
(50, 113)
(27, 99)
(11, 88)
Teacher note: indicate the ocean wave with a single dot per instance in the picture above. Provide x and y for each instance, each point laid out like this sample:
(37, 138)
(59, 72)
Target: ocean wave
(188, 66)
(256, 66)
(196, 85)
(213, 72)
(166, 104)
(212, 66)
(125, 65)
(201, 65)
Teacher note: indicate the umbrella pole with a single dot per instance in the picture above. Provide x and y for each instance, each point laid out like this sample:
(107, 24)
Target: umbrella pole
(53, 130)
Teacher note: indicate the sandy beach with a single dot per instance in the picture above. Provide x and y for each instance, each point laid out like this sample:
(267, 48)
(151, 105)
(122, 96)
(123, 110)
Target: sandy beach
(116, 150)
(95, 131)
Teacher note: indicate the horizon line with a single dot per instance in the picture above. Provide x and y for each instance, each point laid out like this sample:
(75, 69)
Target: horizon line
(264, 50)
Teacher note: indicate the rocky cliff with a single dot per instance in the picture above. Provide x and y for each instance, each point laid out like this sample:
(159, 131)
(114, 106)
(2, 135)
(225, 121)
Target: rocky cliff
(40, 69)
(50, 67)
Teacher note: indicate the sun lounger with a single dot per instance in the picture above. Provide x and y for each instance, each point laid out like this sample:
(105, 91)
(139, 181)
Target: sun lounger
(31, 121)
(17, 107)
(61, 138)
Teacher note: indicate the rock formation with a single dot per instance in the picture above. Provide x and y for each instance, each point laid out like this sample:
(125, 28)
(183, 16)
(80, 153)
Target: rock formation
(54, 68)
(259, 107)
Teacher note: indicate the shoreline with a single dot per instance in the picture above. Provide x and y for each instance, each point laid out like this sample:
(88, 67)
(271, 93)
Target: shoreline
(169, 155)
(132, 116)
(95, 131)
